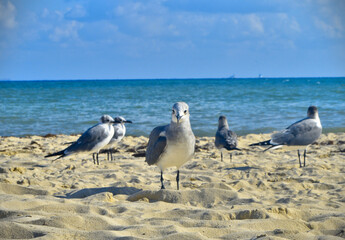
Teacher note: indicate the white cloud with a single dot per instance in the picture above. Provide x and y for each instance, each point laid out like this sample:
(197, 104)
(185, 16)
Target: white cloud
(287, 22)
(255, 23)
(294, 25)
(333, 28)
(259, 30)
(45, 13)
(330, 18)
(155, 20)
(78, 11)
(7, 15)
(148, 19)
(67, 31)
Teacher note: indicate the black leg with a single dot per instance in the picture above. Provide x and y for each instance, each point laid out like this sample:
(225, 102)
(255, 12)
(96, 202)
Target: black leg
(111, 155)
(97, 159)
(230, 157)
(108, 155)
(178, 179)
(221, 155)
(162, 187)
(93, 157)
(305, 155)
(299, 158)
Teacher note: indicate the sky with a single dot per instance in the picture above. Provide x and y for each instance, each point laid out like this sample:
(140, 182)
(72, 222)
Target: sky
(132, 39)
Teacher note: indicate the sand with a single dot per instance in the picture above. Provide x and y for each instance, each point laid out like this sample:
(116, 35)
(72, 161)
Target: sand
(256, 196)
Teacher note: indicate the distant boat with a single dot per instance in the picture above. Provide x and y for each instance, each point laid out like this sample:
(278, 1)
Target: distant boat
(260, 76)
(232, 76)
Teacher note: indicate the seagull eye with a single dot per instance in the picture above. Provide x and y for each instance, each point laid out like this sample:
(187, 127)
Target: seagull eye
(185, 111)
(173, 111)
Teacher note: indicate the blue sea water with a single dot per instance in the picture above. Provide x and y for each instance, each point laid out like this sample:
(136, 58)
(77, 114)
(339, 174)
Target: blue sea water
(251, 105)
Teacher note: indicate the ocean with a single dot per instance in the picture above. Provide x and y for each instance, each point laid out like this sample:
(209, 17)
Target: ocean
(256, 105)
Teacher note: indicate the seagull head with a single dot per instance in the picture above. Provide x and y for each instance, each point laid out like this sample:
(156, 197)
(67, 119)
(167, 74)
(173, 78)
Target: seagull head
(107, 119)
(222, 122)
(180, 112)
(313, 112)
(122, 120)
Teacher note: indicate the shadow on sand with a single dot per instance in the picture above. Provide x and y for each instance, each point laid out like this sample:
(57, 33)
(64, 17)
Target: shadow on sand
(246, 168)
(87, 192)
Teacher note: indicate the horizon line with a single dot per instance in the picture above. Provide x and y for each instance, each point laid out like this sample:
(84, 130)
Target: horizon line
(143, 79)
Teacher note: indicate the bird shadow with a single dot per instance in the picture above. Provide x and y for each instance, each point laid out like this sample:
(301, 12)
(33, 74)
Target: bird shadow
(87, 192)
(246, 168)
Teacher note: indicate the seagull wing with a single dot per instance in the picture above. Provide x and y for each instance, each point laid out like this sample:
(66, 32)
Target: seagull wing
(303, 132)
(89, 139)
(156, 145)
(226, 139)
(231, 139)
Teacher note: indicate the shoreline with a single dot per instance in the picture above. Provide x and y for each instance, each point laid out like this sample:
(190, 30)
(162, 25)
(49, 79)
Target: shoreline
(341, 131)
(257, 195)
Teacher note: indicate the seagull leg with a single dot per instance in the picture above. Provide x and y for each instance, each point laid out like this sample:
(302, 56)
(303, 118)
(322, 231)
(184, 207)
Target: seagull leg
(178, 179)
(221, 155)
(111, 155)
(305, 155)
(93, 157)
(97, 159)
(230, 157)
(162, 187)
(299, 158)
(108, 154)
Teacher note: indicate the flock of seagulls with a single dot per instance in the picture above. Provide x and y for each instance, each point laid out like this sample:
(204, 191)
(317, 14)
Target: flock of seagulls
(92, 140)
(173, 145)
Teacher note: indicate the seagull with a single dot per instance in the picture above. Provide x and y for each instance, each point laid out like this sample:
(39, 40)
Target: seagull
(173, 144)
(301, 133)
(225, 138)
(92, 140)
(119, 133)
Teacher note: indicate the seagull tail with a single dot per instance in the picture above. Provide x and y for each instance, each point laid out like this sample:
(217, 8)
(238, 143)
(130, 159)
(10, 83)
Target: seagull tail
(264, 143)
(272, 147)
(231, 148)
(61, 154)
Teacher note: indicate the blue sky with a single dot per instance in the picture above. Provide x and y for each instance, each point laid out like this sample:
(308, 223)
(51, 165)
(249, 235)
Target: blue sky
(128, 39)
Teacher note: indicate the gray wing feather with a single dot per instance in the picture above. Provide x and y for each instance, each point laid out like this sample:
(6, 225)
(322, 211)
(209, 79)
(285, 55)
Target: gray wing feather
(231, 139)
(88, 140)
(156, 145)
(303, 132)
(226, 139)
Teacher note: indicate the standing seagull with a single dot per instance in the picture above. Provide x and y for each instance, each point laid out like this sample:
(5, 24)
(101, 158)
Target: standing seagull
(172, 144)
(119, 133)
(301, 133)
(225, 138)
(92, 140)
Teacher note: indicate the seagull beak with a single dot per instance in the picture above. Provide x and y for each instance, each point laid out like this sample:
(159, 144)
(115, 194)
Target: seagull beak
(128, 121)
(178, 118)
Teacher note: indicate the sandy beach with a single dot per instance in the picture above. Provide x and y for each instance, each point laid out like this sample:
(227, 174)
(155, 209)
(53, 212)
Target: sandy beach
(259, 195)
